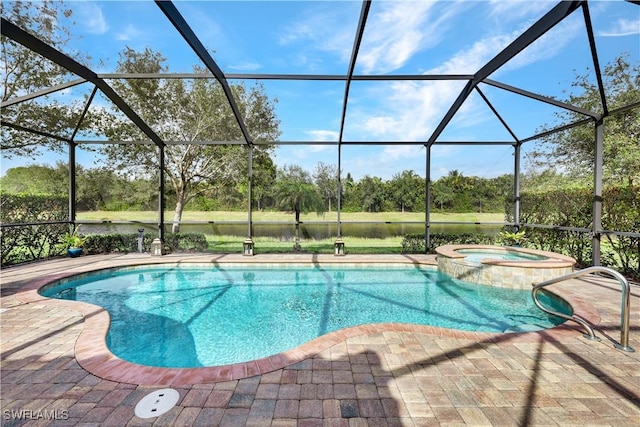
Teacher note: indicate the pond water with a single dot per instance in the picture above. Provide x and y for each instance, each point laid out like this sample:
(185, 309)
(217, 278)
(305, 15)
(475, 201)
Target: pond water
(308, 231)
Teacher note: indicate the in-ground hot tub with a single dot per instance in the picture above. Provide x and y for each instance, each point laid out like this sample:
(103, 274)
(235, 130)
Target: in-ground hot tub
(502, 266)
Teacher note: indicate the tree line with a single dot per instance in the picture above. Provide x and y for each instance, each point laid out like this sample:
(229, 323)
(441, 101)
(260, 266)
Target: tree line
(290, 188)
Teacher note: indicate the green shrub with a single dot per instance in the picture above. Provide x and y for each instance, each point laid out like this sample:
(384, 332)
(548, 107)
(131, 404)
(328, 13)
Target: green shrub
(572, 207)
(30, 242)
(190, 242)
(110, 243)
(55, 244)
(173, 242)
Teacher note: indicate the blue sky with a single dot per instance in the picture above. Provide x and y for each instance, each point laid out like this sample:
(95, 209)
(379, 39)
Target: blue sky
(401, 37)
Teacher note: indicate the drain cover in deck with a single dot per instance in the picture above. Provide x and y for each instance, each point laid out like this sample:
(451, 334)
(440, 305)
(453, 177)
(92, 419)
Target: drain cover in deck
(157, 403)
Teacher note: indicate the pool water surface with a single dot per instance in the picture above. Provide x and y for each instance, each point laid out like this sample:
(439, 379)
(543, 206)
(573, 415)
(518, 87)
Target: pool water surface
(192, 316)
(475, 255)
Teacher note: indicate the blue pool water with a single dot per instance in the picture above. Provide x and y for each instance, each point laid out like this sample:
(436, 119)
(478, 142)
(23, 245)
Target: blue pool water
(190, 316)
(475, 255)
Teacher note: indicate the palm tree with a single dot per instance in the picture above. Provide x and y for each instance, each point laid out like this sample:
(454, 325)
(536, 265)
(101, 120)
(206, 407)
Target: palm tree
(296, 192)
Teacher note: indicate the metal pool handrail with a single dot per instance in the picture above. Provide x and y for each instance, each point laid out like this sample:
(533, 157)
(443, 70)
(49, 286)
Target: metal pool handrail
(624, 309)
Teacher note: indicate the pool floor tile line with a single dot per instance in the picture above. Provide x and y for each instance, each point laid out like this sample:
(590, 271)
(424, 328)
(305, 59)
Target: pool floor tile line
(383, 374)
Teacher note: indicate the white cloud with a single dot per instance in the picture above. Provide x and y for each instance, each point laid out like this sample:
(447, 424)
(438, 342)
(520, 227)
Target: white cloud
(206, 27)
(245, 66)
(549, 45)
(131, 32)
(396, 36)
(412, 110)
(396, 152)
(300, 30)
(518, 9)
(445, 151)
(324, 30)
(524, 13)
(394, 33)
(483, 50)
(90, 17)
(308, 156)
(323, 135)
(400, 30)
(381, 125)
(472, 59)
(622, 27)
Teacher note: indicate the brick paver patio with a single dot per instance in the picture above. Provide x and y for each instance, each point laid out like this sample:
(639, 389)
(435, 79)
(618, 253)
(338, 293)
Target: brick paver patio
(381, 375)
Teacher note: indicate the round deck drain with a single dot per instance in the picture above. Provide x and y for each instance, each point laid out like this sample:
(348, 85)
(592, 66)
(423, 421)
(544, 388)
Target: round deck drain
(157, 403)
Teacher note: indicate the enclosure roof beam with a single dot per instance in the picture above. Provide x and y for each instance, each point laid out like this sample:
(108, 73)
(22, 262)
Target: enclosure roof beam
(474, 143)
(166, 143)
(364, 12)
(594, 56)
(354, 77)
(388, 143)
(43, 92)
(540, 98)
(506, 126)
(33, 131)
(562, 10)
(84, 112)
(31, 42)
(624, 108)
(178, 21)
(558, 129)
(310, 77)
(539, 28)
(308, 143)
(614, 112)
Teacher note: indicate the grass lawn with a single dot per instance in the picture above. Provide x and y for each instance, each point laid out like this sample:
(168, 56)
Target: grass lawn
(288, 216)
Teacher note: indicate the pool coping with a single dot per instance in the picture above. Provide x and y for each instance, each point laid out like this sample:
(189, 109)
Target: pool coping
(92, 353)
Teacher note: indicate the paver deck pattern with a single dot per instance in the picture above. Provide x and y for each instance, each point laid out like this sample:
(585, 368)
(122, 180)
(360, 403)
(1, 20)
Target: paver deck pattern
(376, 375)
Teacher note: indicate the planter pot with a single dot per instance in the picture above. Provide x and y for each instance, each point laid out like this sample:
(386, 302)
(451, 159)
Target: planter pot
(74, 252)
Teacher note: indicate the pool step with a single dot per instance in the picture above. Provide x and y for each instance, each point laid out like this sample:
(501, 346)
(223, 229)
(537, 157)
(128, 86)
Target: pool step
(525, 327)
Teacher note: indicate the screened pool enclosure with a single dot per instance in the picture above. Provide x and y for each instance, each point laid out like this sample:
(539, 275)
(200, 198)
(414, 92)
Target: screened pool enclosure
(489, 91)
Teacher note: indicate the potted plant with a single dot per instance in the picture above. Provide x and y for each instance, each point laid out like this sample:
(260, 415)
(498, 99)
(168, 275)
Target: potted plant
(511, 238)
(74, 242)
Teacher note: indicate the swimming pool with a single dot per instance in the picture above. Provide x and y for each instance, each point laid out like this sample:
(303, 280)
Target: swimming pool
(192, 316)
